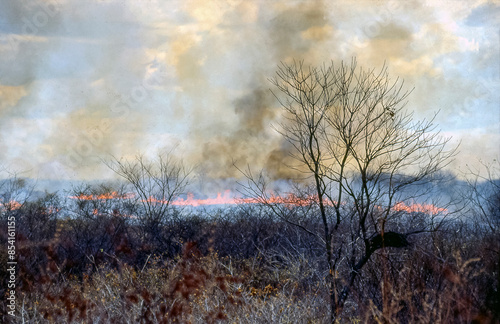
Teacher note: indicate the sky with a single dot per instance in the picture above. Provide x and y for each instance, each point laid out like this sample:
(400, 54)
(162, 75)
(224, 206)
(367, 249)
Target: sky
(85, 81)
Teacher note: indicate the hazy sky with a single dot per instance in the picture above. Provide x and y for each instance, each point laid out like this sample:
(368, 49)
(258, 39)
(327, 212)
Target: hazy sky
(81, 80)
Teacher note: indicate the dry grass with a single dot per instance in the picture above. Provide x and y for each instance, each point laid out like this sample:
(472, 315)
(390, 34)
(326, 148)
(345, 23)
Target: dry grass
(190, 289)
(195, 288)
(440, 279)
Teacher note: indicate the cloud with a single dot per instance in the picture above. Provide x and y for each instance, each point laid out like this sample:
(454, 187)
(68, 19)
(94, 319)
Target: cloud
(111, 77)
(486, 13)
(20, 142)
(318, 33)
(475, 144)
(10, 96)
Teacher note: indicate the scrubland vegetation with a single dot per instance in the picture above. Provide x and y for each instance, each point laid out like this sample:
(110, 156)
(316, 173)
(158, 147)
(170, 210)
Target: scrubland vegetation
(237, 265)
(366, 233)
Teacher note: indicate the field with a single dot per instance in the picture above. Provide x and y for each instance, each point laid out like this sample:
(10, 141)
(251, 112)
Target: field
(235, 264)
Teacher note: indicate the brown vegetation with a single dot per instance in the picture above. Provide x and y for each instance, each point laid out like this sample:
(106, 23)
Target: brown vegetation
(245, 268)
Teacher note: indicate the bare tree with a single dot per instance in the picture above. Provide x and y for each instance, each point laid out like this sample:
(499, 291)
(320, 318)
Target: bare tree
(361, 154)
(89, 201)
(156, 184)
(483, 195)
(14, 192)
(97, 224)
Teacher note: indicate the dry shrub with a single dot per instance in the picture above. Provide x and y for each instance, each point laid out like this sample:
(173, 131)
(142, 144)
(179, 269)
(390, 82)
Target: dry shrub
(193, 288)
(431, 291)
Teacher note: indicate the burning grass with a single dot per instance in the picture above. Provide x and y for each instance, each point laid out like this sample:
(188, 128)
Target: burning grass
(228, 198)
(245, 267)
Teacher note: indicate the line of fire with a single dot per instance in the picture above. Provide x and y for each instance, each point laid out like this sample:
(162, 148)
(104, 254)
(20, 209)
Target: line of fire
(227, 198)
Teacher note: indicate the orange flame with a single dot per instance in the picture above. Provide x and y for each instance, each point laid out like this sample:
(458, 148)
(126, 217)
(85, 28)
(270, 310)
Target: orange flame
(227, 198)
(419, 208)
(191, 201)
(290, 200)
(11, 205)
(108, 195)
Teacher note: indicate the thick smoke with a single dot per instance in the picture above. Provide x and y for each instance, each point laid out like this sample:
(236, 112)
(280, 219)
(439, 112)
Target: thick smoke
(286, 33)
(82, 81)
